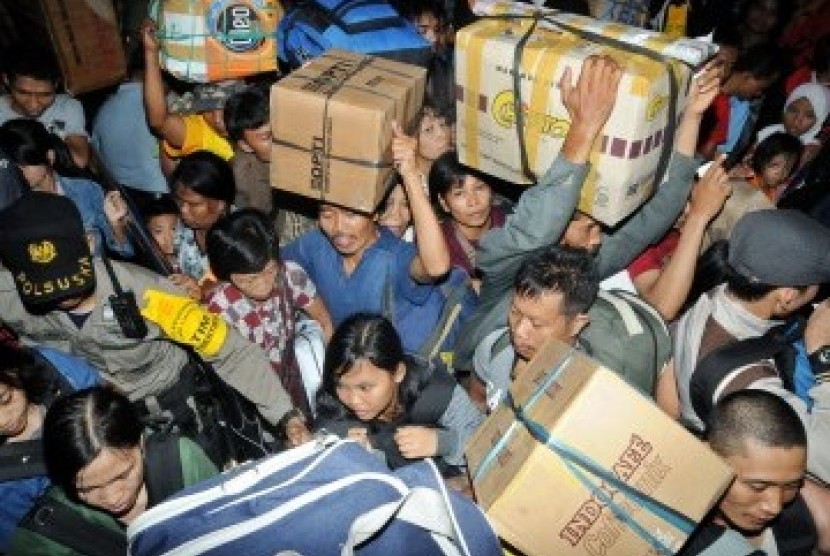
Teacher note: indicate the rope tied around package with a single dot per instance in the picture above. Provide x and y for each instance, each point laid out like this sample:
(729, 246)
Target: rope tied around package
(537, 17)
(583, 467)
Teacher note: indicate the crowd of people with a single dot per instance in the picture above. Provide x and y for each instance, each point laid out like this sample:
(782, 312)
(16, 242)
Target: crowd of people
(159, 296)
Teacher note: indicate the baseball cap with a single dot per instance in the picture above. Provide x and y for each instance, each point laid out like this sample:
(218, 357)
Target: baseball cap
(781, 248)
(43, 244)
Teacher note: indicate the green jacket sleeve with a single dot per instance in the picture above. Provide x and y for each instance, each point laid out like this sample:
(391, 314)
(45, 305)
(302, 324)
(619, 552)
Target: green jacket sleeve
(196, 467)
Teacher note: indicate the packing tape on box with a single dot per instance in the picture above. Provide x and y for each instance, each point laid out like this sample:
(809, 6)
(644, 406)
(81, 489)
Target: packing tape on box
(546, 17)
(581, 466)
(329, 83)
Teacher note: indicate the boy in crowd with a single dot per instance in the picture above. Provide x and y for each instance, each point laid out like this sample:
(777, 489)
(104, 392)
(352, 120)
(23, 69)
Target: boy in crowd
(32, 81)
(249, 130)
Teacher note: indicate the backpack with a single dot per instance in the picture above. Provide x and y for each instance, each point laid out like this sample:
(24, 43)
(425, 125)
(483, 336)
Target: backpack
(327, 497)
(311, 27)
(629, 336)
(434, 326)
(625, 334)
(62, 524)
(710, 371)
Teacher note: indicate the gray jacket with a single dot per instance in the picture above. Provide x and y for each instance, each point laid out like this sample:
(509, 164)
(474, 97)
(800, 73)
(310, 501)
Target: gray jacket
(144, 367)
(541, 217)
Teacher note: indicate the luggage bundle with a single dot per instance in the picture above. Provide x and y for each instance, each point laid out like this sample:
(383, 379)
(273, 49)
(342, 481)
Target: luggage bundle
(327, 497)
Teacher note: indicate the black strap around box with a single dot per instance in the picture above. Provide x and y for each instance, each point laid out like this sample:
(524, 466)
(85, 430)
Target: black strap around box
(536, 17)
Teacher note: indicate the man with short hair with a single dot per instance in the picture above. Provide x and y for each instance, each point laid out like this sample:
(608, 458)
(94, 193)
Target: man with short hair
(775, 263)
(32, 80)
(546, 214)
(763, 441)
(247, 121)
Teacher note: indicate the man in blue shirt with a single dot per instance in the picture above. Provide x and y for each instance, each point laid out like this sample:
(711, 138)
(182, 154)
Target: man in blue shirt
(358, 265)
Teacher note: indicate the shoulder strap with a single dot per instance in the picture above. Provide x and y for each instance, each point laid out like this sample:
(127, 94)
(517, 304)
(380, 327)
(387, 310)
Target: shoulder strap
(453, 294)
(795, 530)
(21, 460)
(58, 522)
(163, 473)
(500, 344)
(732, 543)
(435, 397)
(711, 370)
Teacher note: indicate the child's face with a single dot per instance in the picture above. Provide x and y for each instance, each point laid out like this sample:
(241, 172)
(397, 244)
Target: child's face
(396, 215)
(435, 136)
(257, 285)
(799, 117)
(163, 229)
(778, 170)
(258, 141)
(432, 29)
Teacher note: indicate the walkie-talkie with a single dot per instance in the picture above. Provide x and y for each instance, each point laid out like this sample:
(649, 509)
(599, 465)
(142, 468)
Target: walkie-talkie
(124, 307)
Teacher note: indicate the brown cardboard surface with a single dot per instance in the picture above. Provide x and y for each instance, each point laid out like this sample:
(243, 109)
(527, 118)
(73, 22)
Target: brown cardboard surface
(625, 155)
(332, 126)
(87, 43)
(540, 507)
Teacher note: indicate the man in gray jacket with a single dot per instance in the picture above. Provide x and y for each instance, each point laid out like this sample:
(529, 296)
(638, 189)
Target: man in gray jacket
(546, 213)
(54, 293)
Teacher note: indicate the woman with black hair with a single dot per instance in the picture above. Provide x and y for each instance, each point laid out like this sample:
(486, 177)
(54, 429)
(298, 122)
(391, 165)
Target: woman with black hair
(468, 206)
(204, 189)
(46, 165)
(259, 294)
(30, 380)
(105, 473)
(405, 407)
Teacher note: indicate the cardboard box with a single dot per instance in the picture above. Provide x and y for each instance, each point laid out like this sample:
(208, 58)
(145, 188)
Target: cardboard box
(87, 42)
(332, 126)
(211, 40)
(540, 506)
(625, 156)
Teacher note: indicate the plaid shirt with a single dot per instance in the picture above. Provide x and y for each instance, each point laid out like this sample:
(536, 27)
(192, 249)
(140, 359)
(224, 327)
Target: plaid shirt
(270, 324)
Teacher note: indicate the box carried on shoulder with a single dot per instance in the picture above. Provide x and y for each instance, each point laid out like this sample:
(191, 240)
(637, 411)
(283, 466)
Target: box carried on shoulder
(613, 473)
(210, 40)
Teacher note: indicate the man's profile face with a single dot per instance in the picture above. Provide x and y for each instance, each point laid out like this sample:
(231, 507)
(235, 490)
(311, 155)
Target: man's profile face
(31, 97)
(258, 141)
(533, 320)
(766, 480)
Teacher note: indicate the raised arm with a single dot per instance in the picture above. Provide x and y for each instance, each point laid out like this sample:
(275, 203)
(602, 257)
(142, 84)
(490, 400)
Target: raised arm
(433, 258)
(666, 289)
(544, 211)
(169, 127)
(655, 218)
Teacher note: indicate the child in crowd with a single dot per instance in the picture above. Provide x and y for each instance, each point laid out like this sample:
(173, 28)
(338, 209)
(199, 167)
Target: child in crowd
(805, 113)
(435, 134)
(161, 216)
(260, 295)
(376, 394)
(46, 165)
(773, 162)
(394, 214)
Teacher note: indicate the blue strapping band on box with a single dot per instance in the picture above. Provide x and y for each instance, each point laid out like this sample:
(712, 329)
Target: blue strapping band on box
(579, 463)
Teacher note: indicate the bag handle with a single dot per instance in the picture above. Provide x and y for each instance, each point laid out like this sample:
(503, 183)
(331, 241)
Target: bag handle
(427, 508)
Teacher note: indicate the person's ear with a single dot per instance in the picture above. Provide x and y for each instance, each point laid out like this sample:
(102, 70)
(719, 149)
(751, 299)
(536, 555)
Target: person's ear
(400, 373)
(443, 204)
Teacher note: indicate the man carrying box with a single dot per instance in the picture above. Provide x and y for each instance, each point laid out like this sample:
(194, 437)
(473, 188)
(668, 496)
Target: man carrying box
(359, 266)
(546, 213)
(762, 439)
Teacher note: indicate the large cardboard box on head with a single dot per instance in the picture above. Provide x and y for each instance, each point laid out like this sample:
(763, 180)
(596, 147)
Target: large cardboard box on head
(87, 41)
(627, 155)
(537, 499)
(331, 121)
